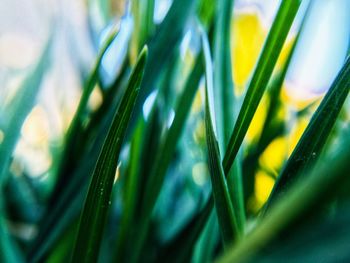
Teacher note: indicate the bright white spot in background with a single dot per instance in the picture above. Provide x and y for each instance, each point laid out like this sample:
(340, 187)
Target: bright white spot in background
(147, 106)
(115, 54)
(200, 173)
(185, 43)
(171, 118)
(161, 10)
(322, 49)
(1, 136)
(18, 50)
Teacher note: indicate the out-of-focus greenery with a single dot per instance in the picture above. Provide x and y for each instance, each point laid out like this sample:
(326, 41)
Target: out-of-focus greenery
(173, 158)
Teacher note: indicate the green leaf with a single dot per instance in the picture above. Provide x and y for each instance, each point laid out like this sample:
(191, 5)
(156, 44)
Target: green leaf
(257, 86)
(143, 13)
(96, 207)
(223, 205)
(315, 136)
(301, 200)
(224, 101)
(69, 153)
(131, 191)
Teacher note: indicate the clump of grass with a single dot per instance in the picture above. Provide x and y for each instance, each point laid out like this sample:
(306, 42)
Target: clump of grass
(147, 210)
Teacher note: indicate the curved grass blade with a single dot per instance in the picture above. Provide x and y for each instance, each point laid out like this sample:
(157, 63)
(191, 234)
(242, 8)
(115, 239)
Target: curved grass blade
(76, 126)
(222, 200)
(60, 215)
(266, 63)
(96, 207)
(315, 136)
(225, 101)
(297, 204)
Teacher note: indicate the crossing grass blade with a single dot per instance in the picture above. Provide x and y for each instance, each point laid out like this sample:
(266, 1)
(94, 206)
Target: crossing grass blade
(222, 200)
(297, 204)
(315, 136)
(227, 220)
(97, 203)
(264, 68)
(225, 101)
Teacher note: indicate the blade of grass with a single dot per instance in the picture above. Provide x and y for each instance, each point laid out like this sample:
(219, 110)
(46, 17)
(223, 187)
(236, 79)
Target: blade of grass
(315, 136)
(143, 24)
(273, 126)
(223, 204)
(224, 100)
(72, 137)
(66, 209)
(132, 191)
(96, 207)
(266, 63)
(300, 200)
(227, 220)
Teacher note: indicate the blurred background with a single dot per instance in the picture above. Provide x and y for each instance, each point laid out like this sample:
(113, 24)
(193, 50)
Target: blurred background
(78, 29)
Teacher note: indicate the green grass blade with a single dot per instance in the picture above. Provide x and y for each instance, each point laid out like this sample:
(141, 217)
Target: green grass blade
(222, 200)
(143, 13)
(94, 214)
(227, 220)
(315, 136)
(296, 205)
(76, 127)
(225, 101)
(266, 63)
(131, 191)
